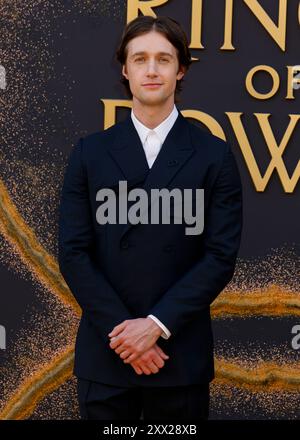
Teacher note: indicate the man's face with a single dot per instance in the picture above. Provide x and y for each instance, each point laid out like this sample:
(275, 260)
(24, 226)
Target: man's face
(152, 68)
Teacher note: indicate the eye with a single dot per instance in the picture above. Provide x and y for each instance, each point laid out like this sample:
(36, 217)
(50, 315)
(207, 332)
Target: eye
(164, 60)
(140, 59)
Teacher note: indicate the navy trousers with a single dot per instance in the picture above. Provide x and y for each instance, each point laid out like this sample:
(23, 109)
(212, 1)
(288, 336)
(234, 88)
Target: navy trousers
(98, 401)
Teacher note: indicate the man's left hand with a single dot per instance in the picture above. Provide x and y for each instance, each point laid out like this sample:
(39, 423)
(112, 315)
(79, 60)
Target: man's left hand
(133, 337)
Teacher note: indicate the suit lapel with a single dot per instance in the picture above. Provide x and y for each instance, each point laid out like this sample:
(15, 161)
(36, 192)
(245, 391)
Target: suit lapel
(129, 154)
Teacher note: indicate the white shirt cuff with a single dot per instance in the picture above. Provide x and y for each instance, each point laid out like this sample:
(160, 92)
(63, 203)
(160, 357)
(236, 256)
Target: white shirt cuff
(166, 333)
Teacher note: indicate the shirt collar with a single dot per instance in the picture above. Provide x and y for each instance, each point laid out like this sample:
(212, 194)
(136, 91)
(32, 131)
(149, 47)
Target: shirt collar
(161, 130)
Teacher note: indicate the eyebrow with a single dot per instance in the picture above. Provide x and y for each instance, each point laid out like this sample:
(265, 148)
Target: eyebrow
(144, 53)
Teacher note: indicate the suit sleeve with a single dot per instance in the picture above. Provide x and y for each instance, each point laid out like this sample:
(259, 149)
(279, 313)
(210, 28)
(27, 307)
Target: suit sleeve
(198, 287)
(94, 294)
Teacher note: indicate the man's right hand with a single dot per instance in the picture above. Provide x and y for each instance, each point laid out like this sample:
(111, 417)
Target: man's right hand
(150, 361)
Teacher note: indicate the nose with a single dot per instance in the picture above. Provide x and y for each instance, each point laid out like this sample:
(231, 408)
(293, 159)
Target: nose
(151, 68)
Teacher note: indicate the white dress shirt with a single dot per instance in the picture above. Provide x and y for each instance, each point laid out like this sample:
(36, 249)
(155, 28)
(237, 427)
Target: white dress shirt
(152, 140)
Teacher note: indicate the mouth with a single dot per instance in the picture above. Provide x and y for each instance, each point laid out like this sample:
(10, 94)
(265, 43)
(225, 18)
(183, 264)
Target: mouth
(152, 85)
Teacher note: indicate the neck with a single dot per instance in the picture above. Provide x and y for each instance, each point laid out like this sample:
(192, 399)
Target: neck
(152, 115)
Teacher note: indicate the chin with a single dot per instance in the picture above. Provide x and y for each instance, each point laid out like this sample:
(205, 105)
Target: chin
(150, 100)
(154, 98)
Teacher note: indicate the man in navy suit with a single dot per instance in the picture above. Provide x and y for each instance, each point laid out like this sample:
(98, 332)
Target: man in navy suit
(144, 345)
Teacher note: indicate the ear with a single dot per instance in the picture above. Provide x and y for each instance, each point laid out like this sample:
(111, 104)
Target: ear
(124, 73)
(181, 72)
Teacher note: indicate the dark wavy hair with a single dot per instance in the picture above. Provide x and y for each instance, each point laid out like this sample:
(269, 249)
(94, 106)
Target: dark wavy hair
(167, 26)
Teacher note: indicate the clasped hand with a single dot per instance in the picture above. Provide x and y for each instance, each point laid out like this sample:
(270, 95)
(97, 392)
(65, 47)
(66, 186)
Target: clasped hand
(134, 340)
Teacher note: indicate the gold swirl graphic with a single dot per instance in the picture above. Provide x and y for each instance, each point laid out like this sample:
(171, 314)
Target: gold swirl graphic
(22, 404)
(37, 259)
(267, 376)
(272, 301)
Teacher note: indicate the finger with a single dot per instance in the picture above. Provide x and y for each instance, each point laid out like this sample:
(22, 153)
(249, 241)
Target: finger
(121, 348)
(151, 365)
(137, 369)
(117, 329)
(115, 342)
(159, 362)
(145, 369)
(124, 354)
(142, 365)
(161, 352)
(131, 358)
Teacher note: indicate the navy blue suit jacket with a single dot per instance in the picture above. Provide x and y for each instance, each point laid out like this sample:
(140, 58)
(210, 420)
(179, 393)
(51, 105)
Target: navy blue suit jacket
(119, 272)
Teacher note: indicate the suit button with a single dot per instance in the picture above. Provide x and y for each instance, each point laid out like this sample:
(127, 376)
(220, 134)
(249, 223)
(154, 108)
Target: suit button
(172, 162)
(125, 245)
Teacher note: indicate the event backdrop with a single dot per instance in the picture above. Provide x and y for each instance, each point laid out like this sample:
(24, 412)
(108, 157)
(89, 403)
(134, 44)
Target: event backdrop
(59, 81)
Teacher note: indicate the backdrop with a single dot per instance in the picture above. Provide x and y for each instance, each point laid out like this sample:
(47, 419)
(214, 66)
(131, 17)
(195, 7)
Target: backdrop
(59, 81)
